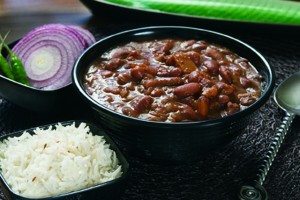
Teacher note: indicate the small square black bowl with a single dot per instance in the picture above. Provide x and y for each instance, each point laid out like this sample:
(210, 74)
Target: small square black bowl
(30, 98)
(105, 191)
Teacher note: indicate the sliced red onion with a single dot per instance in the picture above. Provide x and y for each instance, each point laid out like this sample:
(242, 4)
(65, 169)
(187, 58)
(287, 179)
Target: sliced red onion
(88, 36)
(43, 63)
(49, 53)
(52, 31)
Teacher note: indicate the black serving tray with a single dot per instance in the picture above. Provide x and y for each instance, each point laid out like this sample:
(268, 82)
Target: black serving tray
(110, 190)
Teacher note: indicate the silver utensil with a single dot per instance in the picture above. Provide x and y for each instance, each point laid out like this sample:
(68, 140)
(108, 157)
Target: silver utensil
(287, 97)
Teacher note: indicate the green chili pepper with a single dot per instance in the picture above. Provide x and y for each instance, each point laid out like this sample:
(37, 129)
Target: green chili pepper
(4, 65)
(17, 66)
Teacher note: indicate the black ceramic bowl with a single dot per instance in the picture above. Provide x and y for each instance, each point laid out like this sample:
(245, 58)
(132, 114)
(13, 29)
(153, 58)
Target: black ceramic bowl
(108, 191)
(181, 141)
(51, 101)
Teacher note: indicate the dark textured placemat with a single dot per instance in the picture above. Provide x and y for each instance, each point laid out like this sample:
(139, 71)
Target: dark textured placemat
(218, 174)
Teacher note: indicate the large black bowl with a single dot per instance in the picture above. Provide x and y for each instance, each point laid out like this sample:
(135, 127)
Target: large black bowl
(181, 141)
(110, 190)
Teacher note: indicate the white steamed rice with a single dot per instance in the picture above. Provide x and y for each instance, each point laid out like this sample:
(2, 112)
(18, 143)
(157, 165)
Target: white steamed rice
(56, 161)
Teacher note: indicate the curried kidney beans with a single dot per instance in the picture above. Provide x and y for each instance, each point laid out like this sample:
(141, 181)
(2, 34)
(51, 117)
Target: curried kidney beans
(173, 80)
(212, 66)
(211, 92)
(141, 104)
(184, 63)
(186, 90)
(169, 72)
(113, 64)
(202, 107)
(223, 99)
(225, 73)
(162, 82)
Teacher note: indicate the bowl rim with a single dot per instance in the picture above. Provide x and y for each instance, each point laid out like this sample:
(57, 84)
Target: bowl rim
(122, 160)
(263, 98)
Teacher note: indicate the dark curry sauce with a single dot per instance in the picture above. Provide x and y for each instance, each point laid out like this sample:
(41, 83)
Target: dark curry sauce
(173, 80)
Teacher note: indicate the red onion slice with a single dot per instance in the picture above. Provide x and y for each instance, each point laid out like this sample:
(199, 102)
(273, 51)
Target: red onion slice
(88, 36)
(49, 53)
(43, 63)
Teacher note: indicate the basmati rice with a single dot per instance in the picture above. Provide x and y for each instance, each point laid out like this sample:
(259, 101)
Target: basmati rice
(56, 161)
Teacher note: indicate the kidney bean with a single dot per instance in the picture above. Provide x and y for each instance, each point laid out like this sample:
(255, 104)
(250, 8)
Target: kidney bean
(198, 76)
(168, 45)
(114, 64)
(188, 113)
(169, 72)
(129, 111)
(184, 63)
(130, 86)
(158, 115)
(245, 65)
(106, 73)
(214, 53)
(212, 66)
(225, 73)
(170, 60)
(113, 90)
(186, 90)
(133, 55)
(214, 106)
(245, 82)
(109, 98)
(151, 70)
(211, 92)
(225, 88)
(189, 101)
(187, 43)
(230, 57)
(236, 70)
(206, 82)
(163, 46)
(199, 45)
(160, 57)
(194, 56)
(137, 73)
(124, 93)
(194, 77)
(172, 81)
(232, 108)
(253, 82)
(176, 117)
(148, 90)
(141, 104)
(121, 52)
(239, 60)
(157, 92)
(223, 99)
(202, 107)
(124, 78)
